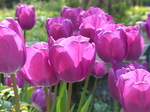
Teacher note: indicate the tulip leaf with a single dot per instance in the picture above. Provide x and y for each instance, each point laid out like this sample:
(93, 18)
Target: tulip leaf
(62, 98)
(72, 108)
(5, 105)
(86, 105)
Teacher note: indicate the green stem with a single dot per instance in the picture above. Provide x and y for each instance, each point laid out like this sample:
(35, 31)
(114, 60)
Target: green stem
(2, 78)
(24, 33)
(47, 97)
(123, 110)
(50, 88)
(15, 92)
(69, 97)
(115, 106)
(93, 94)
(83, 93)
(54, 100)
(24, 96)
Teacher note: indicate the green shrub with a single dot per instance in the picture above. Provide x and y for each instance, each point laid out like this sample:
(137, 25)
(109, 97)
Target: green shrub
(135, 14)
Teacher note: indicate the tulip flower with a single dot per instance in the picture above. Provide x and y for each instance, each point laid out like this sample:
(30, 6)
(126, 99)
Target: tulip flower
(134, 90)
(72, 14)
(111, 43)
(59, 27)
(99, 69)
(12, 50)
(37, 70)
(26, 16)
(91, 23)
(72, 58)
(116, 70)
(38, 99)
(14, 25)
(135, 42)
(146, 25)
(95, 11)
(19, 80)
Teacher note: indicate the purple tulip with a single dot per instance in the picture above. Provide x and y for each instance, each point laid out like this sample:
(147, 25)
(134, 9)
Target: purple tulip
(12, 50)
(134, 90)
(116, 70)
(38, 99)
(99, 69)
(26, 16)
(135, 42)
(146, 25)
(37, 70)
(59, 27)
(111, 43)
(90, 24)
(14, 25)
(72, 58)
(95, 11)
(72, 14)
(19, 80)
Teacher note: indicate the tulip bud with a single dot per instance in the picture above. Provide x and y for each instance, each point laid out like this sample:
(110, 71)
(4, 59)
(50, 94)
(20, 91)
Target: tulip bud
(19, 80)
(38, 99)
(26, 16)
(59, 27)
(99, 69)
(72, 58)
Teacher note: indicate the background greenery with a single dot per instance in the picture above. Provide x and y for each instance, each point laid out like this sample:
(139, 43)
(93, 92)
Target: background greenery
(123, 11)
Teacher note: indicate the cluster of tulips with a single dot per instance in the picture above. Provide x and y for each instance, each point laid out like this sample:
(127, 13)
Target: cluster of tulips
(79, 43)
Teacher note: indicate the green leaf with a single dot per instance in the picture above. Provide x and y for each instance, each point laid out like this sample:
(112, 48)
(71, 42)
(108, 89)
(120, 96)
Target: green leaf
(86, 105)
(72, 108)
(62, 98)
(26, 93)
(5, 88)
(5, 105)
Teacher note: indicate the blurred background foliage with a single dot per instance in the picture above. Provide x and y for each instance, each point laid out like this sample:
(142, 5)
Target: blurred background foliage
(127, 12)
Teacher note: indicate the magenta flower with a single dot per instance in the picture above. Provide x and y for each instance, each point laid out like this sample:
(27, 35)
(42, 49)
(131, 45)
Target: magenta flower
(90, 24)
(111, 43)
(59, 27)
(146, 25)
(19, 80)
(119, 42)
(37, 70)
(12, 50)
(14, 25)
(26, 16)
(135, 42)
(95, 11)
(99, 69)
(72, 58)
(116, 70)
(72, 14)
(134, 90)
(38, 99)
